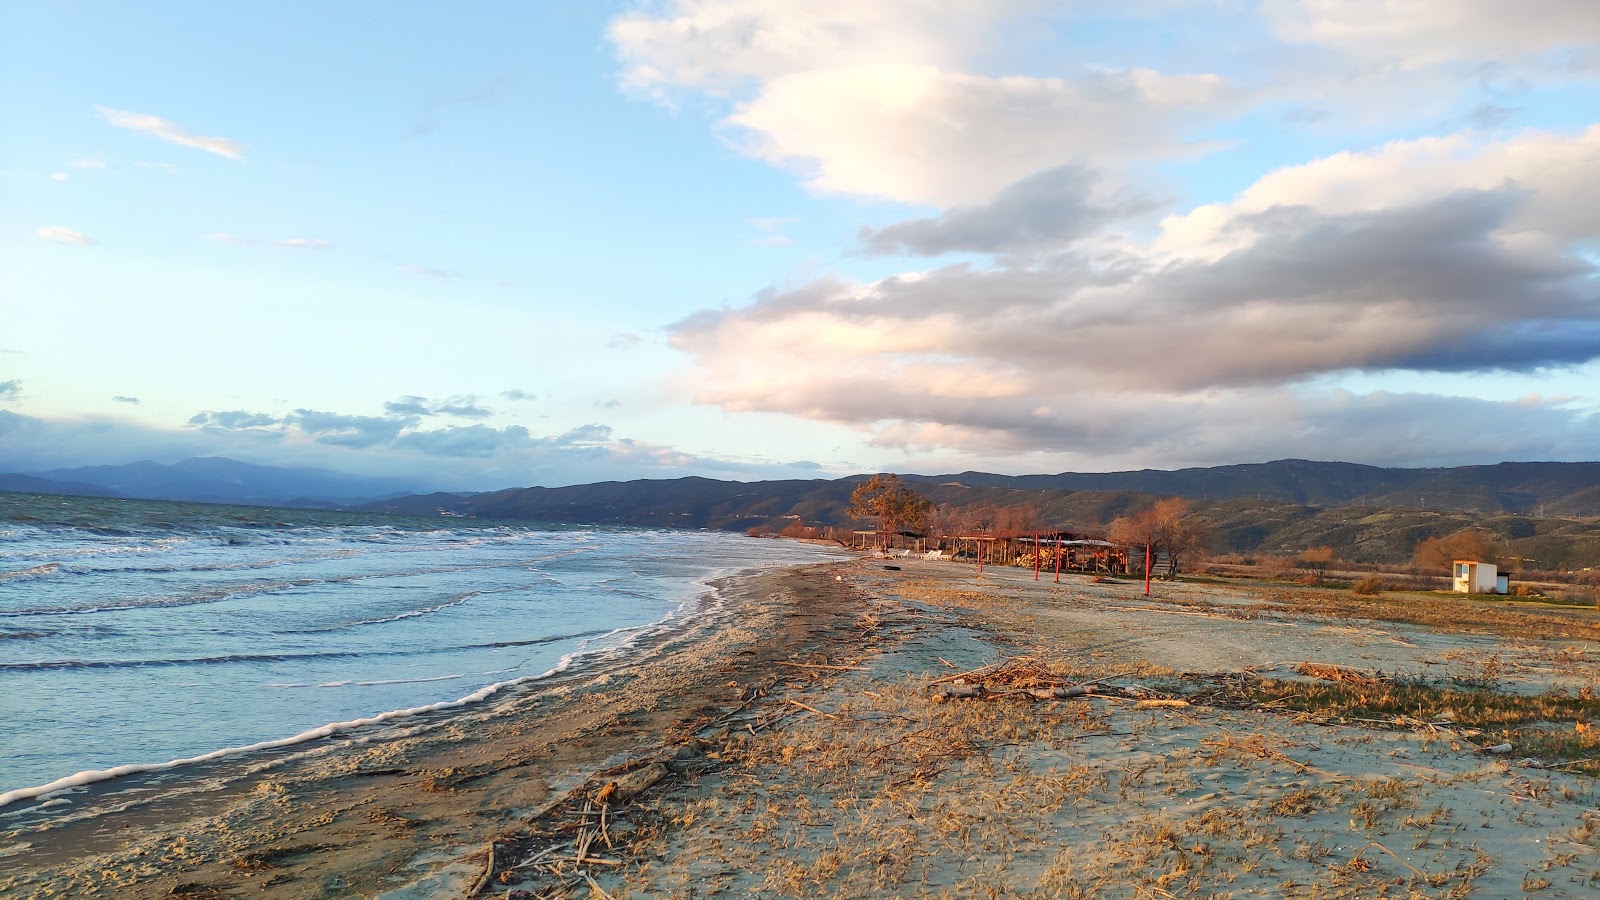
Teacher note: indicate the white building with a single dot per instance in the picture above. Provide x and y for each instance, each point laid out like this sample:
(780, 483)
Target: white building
(1473, 577)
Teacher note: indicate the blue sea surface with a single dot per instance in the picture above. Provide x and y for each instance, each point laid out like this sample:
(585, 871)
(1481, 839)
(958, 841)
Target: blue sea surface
(139, 632)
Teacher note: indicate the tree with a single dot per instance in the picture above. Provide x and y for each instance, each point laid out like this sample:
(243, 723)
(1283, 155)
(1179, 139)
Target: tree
(1316, 560)
(1438, 553)
(1165, 526)
(894, 506)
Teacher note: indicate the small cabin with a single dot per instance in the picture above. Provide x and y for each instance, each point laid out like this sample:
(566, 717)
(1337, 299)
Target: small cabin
(1473, 577)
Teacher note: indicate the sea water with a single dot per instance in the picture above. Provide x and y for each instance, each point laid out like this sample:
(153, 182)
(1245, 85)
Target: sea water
(136, 633)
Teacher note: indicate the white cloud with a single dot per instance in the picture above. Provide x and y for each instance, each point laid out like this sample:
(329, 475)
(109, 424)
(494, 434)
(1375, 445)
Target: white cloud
(920, 134)
(171, 132)
(1558, 176)
(889, 98)
(58, 176)
(720, 45)
(1442, 256)
(1417, 33)
(64, 235)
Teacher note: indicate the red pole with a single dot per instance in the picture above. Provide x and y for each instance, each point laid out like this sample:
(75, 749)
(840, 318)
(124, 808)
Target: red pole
(980, 556)
(1058, 560)
(1147, 570)
(1036, 556)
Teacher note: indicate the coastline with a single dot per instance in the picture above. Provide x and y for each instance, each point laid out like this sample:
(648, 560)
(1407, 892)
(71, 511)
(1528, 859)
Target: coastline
(660, 632)
(797, 747)
(458, 771)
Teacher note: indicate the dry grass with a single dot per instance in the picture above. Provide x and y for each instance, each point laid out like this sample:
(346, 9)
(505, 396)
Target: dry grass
(1436, 610)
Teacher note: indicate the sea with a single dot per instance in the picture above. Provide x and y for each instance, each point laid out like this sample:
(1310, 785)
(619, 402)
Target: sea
(141, 636)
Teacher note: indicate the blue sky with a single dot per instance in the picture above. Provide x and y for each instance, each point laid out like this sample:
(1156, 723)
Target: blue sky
(565, 241)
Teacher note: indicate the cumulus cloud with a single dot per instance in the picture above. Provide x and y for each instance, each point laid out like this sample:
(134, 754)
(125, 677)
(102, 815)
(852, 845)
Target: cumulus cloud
(465, 406)
(10, 390)
(925, 135)
(410, 405)
(59, 176)
(1431, 32)
(64, 235)
(1047, 210)
(518, 394)
(613, 403)
(886, 98)
(171, 132)
(1553, 174)
(344, 430)
(1413, 257)
(123, 398)
(720, 45)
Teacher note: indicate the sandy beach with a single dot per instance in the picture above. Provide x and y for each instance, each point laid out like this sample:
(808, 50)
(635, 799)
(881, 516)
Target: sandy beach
(795, 746)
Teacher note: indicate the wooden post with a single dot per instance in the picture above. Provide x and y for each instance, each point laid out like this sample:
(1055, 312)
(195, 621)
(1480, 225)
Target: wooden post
(980, 556)
(1147, 570)
(1036, 556)
(1059, 548)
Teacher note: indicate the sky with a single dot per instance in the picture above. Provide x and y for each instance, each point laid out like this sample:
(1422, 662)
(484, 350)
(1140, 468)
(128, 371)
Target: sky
(507, 244)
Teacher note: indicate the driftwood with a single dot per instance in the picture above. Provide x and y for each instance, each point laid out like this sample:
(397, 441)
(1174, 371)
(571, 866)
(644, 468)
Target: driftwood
(949, 692)
(632, 784)
(484, 879)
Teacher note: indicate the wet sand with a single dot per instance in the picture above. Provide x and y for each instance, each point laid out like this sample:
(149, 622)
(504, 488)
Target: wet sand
(364, 816)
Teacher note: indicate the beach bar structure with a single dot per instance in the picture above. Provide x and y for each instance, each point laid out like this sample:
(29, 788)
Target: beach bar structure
(1077, 554)
(1473, 577)
(869, 539)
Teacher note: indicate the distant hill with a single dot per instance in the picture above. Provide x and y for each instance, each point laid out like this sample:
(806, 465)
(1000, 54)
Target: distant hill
(210, 480)
(1370, 514)
(32, 484)
(1570, 489)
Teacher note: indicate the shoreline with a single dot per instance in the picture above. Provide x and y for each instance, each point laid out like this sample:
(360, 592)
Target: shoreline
(705, 601)
(811, 745)
(570, 715)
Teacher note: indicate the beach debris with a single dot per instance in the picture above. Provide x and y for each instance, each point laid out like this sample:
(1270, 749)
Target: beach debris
(483, 880)
(194, 890)
(1024, 678)
(632, 784)
(1498, 748)
(1339, 674)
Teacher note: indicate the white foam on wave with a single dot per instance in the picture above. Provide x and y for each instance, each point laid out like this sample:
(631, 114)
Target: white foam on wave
(709, 602)
(40, 571)
(93, 776)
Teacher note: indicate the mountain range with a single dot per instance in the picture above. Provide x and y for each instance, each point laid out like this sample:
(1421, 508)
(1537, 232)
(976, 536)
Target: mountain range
(1546, 513)
(210, 480)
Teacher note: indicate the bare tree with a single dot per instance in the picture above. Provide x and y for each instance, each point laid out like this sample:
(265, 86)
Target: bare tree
(1167, 526)
(891, 504)
(1438, 553)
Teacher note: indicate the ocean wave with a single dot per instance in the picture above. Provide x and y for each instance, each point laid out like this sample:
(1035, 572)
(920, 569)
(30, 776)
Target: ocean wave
(213, 596)
(412, 614)
(53, 664)
(40, 571)
(81, 779)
